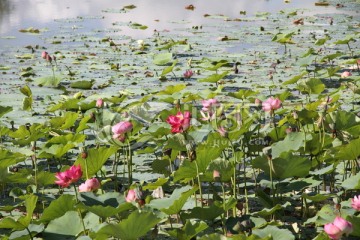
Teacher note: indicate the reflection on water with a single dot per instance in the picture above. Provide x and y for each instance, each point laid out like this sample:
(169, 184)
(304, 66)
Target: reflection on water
(156, 14)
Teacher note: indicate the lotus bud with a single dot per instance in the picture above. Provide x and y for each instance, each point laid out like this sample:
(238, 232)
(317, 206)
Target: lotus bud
(295, 115)
(216, 175)
(44, 54)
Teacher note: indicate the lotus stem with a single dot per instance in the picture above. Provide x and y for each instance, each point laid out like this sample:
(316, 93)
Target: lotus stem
(224, 202)
(78, 210)
(129, 162)
(271, 167)
(29, 232)
(199, 182)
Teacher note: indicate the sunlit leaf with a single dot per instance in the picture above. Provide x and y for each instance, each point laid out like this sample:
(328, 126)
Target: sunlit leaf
(129, 228)
(175, 202)
(96, 157)
(138, 26)
(214, 78)
(275, 233)
(169, 69)
(352, 182)
(189, 230)
(67, 226)
(82, 84)
(162, 59)
(49, 81)
(58, 208)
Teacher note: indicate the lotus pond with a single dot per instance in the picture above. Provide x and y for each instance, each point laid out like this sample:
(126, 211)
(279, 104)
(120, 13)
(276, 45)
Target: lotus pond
(239, 124)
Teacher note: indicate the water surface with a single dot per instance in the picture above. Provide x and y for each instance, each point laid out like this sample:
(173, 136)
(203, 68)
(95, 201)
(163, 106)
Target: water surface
(97, 15)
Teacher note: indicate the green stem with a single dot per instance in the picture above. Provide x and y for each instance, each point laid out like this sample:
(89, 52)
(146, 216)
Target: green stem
(351, 53)
(199, 182)
(78, 210)
(86, 169)
(224, 202)
(129, 161)
(271, 179)
(28, 230)
(115, 168)
(274, 122)
(35, 165)
(234, 173)
(53, 71)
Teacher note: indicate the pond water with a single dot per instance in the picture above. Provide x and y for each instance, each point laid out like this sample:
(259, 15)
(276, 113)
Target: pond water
(52, 16)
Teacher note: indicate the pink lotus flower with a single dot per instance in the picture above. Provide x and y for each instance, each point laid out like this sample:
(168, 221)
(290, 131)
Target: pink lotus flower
(216, 175)
(131, 195)
(120, 129)
(72, 175)
(179, 122)
(89, 185)
(337, 228)
(222, 131)
(188, 74)
(271, 104)
(355, 203)
(208, 104)
(99, 103)
(44, 54)
(346, 74)
(345, 226)
(332, 231)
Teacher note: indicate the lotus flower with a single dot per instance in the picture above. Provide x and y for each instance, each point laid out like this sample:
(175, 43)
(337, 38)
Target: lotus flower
(89, 185)
(346, 74)
(44, 54)
(208, 104)
(72, 175)
(120, 129)
(188, 74)
(99, 103)
(355, 203)
(337, 228)
(179, 122)
(222, 131)
(133, 195)
(271, 104)
(216, 175)
(332, 231)
(345, 226)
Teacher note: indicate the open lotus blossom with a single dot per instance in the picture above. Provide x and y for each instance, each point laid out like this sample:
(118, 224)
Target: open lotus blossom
(99, 103)
(332, 231)
(355, 203)
(89, 185)
(179, 122)
(208, 104)
(336, 229)
(120, 129)
(188, 73)
(346, 74)
(72, 175)
(271, 104)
